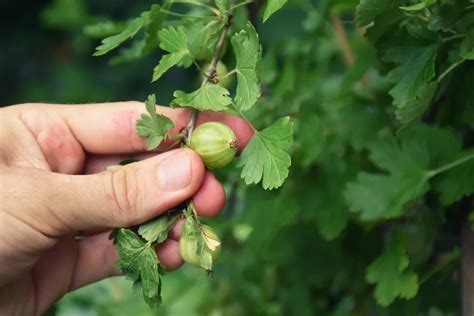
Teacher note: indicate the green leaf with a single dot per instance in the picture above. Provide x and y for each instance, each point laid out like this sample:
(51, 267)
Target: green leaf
(138, 261)
(311, 139)
(153, 126)
(467, 46)
(103, 29)
(174, 41)
(418, 157)
(383, 197)
(166, 62)
(223, 6)
(414, 109)
(114, 41)
(208, 97)
(156, 230)
(247, 51)
(391, 275)
(155, 20)
(368, 10)
(457, 182)
(143, 46)
(272, 7)
(416, 68)
(266, 156)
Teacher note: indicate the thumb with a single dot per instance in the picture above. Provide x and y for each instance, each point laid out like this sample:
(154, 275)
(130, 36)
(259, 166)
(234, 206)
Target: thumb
(117, 198)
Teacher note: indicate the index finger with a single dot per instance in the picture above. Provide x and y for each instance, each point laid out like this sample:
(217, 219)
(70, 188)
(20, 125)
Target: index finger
(109, 128)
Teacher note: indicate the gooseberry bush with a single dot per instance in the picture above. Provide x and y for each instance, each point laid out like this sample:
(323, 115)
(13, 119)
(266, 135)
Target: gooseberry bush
(198, 39)
(375, 214)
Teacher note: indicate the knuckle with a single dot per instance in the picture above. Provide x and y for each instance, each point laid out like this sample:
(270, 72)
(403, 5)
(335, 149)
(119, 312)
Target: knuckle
(125, 122)
(124, 194)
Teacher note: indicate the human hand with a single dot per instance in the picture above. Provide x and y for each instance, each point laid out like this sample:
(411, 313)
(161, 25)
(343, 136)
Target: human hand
(53, 188)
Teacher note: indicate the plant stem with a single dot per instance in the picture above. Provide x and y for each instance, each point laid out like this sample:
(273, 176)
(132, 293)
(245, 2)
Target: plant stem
(211, 71)
(447, 71)
(467, 270)
(341, 36)
(243, 116)
(451, 165)
(230, 73)
(199, 4)
(187, 15)
(447, 39)
(241, 4)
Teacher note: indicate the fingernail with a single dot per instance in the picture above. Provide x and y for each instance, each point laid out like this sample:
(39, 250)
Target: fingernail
(174, 173)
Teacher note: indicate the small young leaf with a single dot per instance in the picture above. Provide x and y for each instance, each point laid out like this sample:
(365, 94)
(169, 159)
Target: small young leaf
(247, 53)
(266, 156)
(208, 97)
(153, 126)
(156, 230)
(223, 6)
(174, 41)
(272, 7)
(391, 275)
(114, 41)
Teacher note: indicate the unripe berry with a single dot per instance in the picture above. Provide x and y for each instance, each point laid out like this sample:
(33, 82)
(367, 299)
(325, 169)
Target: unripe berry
(215, 142)
(188, 248)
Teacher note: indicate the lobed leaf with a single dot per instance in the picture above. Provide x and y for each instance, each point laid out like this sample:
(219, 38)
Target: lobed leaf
(266, 157)
(272, 7)
(208, 97)
(114, 41)
(391, 275)
(247, 51)
(156, 230)
(154, 127)
(174, 41)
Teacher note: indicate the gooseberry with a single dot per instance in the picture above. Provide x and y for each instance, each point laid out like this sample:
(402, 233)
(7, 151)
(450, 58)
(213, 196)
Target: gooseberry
(215, 143)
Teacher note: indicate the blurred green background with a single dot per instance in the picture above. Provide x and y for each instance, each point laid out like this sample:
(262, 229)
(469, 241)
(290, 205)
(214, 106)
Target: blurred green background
(295, 251)
(45, 56)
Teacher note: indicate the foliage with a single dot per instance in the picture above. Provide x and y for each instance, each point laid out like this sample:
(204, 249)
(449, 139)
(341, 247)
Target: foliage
(381, 177)
(265, 158)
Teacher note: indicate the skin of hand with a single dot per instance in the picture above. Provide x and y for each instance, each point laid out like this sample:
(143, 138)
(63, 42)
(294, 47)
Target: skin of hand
(53, 188)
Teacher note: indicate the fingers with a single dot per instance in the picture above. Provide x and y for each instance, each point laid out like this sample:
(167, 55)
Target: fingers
(81, 262)
(109, 128)
(58, 204)
(209, 200)
(99, 163)
(96, 259)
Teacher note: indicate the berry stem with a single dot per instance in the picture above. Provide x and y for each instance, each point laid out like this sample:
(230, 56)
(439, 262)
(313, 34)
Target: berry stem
(211, 72)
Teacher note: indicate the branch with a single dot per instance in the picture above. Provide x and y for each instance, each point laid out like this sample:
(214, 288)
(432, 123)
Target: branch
(211, 73)
(341, 36)
(467, 268)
